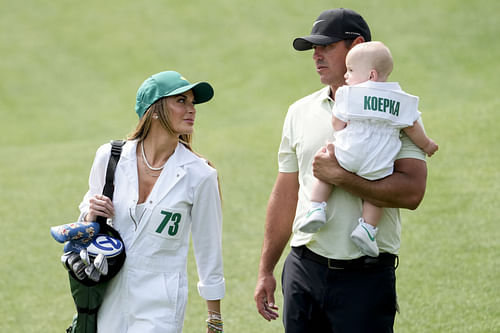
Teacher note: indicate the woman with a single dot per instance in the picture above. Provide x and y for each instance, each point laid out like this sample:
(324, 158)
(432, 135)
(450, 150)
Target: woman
(163, 192)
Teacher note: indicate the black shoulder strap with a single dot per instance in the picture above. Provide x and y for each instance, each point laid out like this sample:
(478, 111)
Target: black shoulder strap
(109, 186)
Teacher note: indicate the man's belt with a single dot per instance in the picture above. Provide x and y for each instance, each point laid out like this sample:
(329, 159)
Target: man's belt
(366, 262)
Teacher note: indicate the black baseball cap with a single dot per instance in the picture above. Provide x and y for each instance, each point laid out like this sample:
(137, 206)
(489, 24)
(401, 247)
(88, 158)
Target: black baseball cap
(334, 25)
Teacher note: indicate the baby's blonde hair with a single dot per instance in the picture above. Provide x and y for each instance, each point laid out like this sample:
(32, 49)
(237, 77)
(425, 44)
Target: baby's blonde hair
(379, 55)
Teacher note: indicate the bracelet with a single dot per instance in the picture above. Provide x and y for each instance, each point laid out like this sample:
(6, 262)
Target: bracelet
(215, 328)
(214, 322)
(214, 315)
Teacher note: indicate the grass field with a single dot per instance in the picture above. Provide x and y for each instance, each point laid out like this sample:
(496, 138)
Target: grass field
(69, 74)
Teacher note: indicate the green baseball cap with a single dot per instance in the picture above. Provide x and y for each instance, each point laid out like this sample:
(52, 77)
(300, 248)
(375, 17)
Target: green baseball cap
(169, 83)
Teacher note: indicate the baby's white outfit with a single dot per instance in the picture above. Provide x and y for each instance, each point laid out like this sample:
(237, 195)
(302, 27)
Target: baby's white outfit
(375, 113)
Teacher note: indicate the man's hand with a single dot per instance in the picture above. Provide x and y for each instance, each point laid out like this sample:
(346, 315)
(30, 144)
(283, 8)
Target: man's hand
(326, 167)
(264, 297)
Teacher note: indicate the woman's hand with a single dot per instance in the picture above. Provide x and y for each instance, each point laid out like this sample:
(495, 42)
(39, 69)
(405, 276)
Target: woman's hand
(99, 205)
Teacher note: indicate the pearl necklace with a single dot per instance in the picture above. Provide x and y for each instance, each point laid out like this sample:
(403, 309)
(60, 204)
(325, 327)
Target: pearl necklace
(146, 161)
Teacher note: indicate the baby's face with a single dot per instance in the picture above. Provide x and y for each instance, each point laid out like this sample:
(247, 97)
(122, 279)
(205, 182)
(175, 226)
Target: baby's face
(358, 68)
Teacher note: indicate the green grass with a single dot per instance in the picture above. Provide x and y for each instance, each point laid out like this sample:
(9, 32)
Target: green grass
(69, 73)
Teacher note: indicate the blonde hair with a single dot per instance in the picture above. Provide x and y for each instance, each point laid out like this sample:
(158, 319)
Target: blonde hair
(379, 55)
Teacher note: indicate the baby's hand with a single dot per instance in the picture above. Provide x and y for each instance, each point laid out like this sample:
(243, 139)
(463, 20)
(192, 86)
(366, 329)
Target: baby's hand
(431, 148)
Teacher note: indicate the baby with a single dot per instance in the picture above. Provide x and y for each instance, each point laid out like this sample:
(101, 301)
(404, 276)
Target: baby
(367, 118)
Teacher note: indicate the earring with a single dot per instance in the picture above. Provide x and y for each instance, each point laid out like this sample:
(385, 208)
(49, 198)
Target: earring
(155, 116)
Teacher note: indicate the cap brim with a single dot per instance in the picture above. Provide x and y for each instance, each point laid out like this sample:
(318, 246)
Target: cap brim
(202, 91)
(307, 42)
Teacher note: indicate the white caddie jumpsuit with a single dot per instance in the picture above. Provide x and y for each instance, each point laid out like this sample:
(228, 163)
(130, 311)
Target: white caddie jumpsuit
(149, 294)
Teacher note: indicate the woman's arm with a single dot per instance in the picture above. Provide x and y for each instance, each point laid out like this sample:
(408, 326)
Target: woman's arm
(206, 232)
(94, 204)
(214, 320)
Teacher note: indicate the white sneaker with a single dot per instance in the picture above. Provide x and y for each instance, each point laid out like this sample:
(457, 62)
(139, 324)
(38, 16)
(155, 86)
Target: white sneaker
(364, 237)
(315, 218)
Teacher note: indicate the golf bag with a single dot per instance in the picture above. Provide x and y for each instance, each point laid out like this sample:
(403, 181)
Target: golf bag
(88, 293)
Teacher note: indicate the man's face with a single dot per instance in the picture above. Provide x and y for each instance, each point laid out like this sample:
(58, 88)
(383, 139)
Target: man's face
(330, 63)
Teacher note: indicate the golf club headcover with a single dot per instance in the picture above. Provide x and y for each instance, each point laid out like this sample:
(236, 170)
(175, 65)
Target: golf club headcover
(81, 232)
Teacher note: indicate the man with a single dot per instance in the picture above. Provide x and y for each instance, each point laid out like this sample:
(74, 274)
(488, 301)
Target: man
(328, 285)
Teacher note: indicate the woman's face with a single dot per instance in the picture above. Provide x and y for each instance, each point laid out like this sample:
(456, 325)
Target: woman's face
(182, 113)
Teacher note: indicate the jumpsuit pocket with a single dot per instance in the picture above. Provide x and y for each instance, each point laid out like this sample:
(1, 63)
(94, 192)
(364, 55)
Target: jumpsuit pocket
(154, 297)
(166, 227)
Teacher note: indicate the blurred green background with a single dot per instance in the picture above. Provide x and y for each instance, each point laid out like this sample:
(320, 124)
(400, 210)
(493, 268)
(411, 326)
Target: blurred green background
(69, 72)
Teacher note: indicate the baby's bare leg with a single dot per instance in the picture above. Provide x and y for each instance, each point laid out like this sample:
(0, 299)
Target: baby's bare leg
(321, 191)
(371, 213)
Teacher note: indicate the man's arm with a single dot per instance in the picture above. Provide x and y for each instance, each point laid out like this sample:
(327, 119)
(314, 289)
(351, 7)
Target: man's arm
(405, 188)
(279, 220)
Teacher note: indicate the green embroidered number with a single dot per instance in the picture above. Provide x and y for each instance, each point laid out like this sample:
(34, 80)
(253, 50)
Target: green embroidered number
(174, 228)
